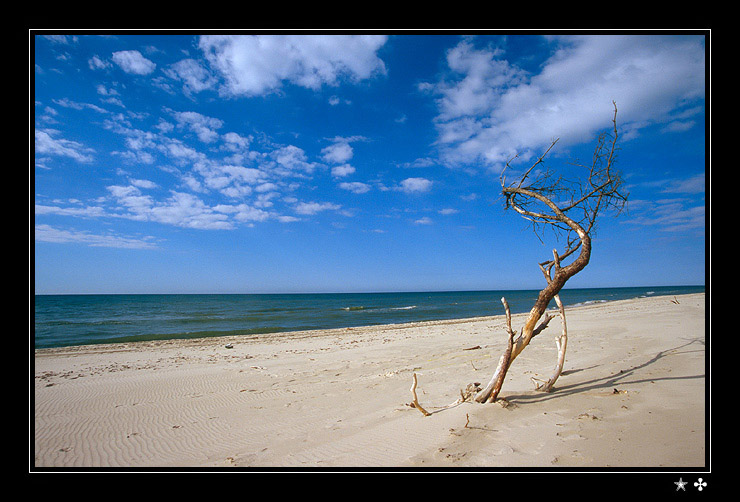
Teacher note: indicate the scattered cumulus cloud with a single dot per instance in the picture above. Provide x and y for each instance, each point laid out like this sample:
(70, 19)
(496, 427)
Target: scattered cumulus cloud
(310, 208)
(692, 185)
(193, 75)
(341, 171)
(336, 100)
(487, 110)
(179, 209)
(48, 144)
(420, 162)
(205, 128)
(80, 212)
(96, 63)
(146, 184)
(252, 65)
(47, 233)
(355, 187)
(668, 215)
(66, 103)
(292, 160)
(415, 185)
(61, 39)
(490, 110)
(133, 62)
(337, 153)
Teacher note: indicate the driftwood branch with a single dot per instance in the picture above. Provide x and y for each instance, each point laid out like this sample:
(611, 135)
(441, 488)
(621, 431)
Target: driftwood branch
(490, 393)
(561, 342)
(465, 394)
(416, 400)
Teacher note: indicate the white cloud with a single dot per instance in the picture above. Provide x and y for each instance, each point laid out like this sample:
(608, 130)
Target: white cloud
(420, 162)
(244, 212)
(425, 220)
(164, 127)
(104, 91)
(336, 100)
(95, 63)
(179, 150)
(310, 208)
(343, 170)
(192, 74)
(47, 233)
(337, 153)
(243, 175)
(46, 144)
(133, 62)
(258, 64)
(180, 209)
(355, 187)
(668, 215)
(204, 127)
(415, 185)
(231, 180)
(186, 210)
(695, 184)
(489, 110)
(482, 77)
(292, 160)
(85, 212)
(235, 142)
(266, 187)
(143, 183)
(61, 39)
(78, 106)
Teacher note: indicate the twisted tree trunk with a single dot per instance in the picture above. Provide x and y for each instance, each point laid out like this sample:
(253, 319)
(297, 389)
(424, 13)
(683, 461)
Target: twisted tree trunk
(532, 195)
(554, 285)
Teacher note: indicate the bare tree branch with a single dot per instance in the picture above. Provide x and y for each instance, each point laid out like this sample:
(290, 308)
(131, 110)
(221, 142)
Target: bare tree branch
(569, 207)
(534, 194)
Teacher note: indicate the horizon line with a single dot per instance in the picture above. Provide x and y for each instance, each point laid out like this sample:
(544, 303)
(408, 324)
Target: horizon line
(374, 292)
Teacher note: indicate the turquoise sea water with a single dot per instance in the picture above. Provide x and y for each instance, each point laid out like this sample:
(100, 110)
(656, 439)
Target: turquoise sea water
(64, 320)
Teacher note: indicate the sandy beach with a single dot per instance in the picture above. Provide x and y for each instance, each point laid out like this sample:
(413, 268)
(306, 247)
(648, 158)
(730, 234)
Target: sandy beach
(633, 394)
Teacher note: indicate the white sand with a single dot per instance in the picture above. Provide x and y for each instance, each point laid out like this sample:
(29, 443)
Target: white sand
(632, 395)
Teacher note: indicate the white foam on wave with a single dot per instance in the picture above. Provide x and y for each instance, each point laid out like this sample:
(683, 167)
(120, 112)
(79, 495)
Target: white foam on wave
(588, 302)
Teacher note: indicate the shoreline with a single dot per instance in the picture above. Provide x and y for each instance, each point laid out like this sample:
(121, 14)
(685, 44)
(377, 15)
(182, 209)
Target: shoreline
(155, 343)
(339, 397)
(97, 319)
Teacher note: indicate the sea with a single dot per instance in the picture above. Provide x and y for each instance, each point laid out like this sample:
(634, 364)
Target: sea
(68, 320)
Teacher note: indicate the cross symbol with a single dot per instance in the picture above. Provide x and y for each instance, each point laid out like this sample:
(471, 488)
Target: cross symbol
(700, 484)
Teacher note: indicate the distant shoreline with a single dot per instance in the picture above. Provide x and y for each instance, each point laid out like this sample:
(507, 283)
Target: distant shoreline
(293, 334)
(366, 292)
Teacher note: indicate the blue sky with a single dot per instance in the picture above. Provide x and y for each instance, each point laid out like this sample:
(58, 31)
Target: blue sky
(246, 163)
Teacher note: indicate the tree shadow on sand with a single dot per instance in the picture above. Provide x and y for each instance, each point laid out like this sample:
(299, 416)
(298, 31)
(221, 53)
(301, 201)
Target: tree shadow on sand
(628, 376)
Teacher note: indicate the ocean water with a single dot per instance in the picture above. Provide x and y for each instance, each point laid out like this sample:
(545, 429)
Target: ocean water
(65, 320)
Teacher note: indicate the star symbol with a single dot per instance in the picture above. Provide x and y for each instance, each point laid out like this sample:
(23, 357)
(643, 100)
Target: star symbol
(681, 484)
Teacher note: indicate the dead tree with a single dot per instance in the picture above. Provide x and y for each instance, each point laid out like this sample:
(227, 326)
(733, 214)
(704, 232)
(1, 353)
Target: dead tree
(569, 208)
